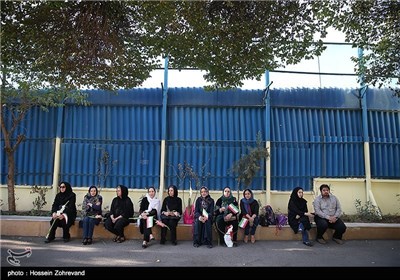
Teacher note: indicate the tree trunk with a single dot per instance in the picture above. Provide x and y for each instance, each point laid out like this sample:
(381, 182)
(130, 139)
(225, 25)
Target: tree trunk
(11, 180)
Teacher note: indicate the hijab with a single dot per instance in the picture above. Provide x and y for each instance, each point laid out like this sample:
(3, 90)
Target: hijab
(247, 202)
(154, 203)
(296, 200)
(205, 201)
(227, 200)
(250, 200)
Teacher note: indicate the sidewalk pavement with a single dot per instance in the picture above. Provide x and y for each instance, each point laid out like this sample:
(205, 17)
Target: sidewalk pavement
(130, 254)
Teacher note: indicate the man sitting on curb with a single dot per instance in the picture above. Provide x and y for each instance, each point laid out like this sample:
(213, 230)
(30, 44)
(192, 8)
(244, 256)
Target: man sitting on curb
(327, 215)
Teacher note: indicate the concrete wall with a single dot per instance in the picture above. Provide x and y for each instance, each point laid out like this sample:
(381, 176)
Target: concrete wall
(347, 190)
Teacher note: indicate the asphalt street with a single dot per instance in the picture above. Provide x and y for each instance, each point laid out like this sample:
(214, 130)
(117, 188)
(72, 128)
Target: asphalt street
(32, 255)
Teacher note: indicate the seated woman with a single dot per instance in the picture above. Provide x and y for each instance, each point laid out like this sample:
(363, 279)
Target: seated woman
(171, 212)
(298, 216)
(91, 214)
(120, 212)
(63, 212)
(226, 213)
(249, 209)
(150, 208)
(203, 219)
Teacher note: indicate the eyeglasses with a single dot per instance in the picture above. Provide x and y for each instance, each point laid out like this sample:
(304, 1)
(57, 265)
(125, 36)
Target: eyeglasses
(62, 187)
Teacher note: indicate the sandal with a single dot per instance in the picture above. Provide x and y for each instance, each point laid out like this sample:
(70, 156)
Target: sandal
(246, 239)
(116, 238)
(253, 239)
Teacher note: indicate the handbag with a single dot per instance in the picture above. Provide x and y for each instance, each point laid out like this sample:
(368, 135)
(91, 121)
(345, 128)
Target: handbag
(188, 215)
(165, 217)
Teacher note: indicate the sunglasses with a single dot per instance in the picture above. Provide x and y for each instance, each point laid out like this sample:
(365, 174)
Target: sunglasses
(62, 187)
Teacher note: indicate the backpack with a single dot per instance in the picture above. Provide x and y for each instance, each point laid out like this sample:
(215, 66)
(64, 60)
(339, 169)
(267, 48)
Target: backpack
(267, 217)
(281, 220)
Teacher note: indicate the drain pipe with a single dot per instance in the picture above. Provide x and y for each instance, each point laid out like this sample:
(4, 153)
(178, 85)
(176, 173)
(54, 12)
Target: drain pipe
(267, 103)
(57, 151)
(367, 158)
(163, 130)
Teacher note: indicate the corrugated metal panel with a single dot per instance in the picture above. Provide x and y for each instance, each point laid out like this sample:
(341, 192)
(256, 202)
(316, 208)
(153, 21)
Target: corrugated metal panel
(130, 136)
(384, 130)
(315, 98)
(308, 143)
(226, 98)
(382, 99)
(34, 157)
(211, 138)
(314, 133)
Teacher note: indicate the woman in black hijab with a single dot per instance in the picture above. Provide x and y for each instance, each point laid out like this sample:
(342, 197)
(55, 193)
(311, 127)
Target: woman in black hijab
(203, 219)
(120, 212)
(298, 215)
(171, 212)
(226, 213)
(63, 212)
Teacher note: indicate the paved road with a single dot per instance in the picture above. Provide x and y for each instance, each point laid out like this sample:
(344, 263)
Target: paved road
(107, 255)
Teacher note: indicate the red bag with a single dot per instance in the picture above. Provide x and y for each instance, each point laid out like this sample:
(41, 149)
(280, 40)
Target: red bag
(188, 215)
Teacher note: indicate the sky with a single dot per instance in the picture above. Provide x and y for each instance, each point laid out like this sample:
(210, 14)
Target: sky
(335, 59)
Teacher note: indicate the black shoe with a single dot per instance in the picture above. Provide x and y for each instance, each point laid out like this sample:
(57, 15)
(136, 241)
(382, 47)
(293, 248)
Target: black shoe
(209, 246)
(196, 245)
(174, 243)
(89, 241)
(162, 242)
(48, 240)
(85, 241)
(308, 243)
(235, 244)
(66, 240)
(144, 245)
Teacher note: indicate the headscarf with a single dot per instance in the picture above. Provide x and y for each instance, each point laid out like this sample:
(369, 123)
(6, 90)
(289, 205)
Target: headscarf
(250, 200)
(154, 203)
(173, 202)
(227, 200)
(205, 201)
(122, 205)
(67, 193)
(247, 202)
(93, 200)
(299, 202)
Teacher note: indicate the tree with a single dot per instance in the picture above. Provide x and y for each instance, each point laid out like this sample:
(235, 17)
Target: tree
(114, 44)
(15, 105)
(249, 164)
(374, 27)
(81, 44)
(234, 40)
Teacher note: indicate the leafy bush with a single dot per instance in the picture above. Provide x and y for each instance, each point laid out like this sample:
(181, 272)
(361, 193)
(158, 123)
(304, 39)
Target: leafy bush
(368, 211)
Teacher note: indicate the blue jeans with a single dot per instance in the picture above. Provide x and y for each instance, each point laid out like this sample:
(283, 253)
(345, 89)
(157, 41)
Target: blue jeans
(251, 230)
(88, 226)
(304, 232)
